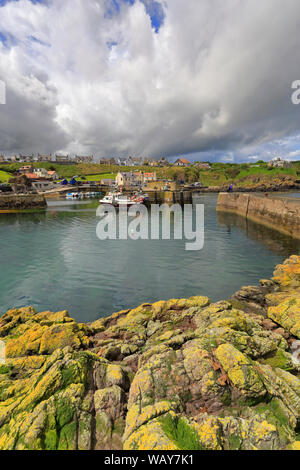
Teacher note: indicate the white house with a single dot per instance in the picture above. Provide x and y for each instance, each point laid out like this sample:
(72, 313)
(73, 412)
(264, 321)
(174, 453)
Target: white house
(122, 161)
(129, 179)
(279, 163)
(62, 158)
(43, 173)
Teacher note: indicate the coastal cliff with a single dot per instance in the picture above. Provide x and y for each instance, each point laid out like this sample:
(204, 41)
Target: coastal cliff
(178, 374)
(279, 213)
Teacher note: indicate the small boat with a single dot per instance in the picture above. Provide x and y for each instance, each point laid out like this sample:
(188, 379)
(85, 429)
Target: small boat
(74, 196)
(82, 195)
(121, 200)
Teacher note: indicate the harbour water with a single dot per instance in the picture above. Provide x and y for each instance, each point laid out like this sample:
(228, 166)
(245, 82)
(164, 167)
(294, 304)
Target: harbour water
(54, 261)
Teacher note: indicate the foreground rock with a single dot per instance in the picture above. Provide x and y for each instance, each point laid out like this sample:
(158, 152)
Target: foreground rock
(182, 374)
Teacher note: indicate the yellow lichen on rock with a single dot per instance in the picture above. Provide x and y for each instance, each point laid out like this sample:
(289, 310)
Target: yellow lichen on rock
(149, 437)
(287, 314)
(209, 433)
(137, 417)
(240, 370)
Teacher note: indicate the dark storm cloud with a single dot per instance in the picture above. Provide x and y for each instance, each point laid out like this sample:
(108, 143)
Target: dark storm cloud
(152, 77)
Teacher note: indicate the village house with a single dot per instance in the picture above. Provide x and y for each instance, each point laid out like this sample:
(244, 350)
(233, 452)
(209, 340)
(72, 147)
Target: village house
(122, 161)
(21, 184)
(164, 162)
(182, 162)
(31, 176)
(131, 161)
(40, 172)
(107, 161)
(43, 173)
(159, 163)
(62, 158)
(134, 161)
(88, 159)
(108, 182)
(153, 163)
(37, 180)
(26, 158)
(26, 169)
(44, 158)
(149, 177)
(10, 159)
(203, 165)
(279, 163)
(129, 179)
(53, 175)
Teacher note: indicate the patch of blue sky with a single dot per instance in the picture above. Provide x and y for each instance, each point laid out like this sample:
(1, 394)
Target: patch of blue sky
(154, 9)
(3, 38)
(156, 12)
(4, 2)
(111, 44)
(112, 8)
(8, 40)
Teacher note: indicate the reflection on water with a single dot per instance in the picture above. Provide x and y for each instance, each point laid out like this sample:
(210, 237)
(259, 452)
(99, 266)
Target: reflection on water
(277, 242)
(54, 261)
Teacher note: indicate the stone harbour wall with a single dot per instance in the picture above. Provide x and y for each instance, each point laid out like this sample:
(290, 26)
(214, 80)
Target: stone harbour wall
(279, 213)
(16, 202)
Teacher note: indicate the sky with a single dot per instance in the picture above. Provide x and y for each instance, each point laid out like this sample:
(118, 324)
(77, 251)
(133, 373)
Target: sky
(204, 79)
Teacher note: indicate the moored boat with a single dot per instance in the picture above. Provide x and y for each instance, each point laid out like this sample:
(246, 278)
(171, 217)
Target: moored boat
(121, 200)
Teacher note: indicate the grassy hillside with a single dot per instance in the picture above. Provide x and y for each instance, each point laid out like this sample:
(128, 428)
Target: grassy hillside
(220, 174)
(4, 176)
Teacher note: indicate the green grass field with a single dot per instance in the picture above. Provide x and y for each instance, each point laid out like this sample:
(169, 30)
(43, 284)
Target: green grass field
(4, 176)
(98, 177)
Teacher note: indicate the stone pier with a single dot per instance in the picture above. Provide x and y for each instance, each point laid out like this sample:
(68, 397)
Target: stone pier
(279, 213)
(170, 197)
(18, 202)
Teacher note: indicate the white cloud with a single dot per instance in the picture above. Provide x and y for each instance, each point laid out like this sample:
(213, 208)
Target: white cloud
(216, 77)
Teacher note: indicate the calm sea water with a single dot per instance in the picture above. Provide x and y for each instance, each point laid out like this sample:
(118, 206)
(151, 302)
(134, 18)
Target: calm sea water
(54, 261)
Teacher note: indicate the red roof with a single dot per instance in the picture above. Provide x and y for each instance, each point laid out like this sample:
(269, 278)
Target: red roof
(31, 176)
(183, 160)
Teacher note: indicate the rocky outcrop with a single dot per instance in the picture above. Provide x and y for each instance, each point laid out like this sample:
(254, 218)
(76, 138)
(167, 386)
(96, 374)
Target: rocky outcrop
(17, 202)
(282, 214)
(258, 183)
(178, 374)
